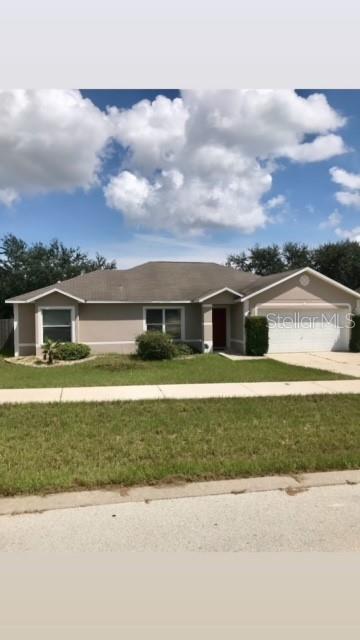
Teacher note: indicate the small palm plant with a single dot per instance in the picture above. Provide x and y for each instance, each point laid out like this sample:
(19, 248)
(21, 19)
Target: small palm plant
(50, 350)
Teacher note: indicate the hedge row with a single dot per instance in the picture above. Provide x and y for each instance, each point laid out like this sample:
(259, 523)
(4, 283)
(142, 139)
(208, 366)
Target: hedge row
(355, 335)
(257, 335)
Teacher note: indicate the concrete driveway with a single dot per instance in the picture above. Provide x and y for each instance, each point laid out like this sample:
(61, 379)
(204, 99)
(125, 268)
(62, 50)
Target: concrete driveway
(342, 362)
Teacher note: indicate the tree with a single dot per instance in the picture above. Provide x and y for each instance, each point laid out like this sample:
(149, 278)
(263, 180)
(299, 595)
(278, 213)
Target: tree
(240, 261)
(340, 261)
(337, 260)
(50, 350)
(296, 255)
(26, 267)
(260, 260)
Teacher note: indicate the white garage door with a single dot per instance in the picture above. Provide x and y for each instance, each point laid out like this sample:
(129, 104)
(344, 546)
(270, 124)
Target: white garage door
(317, 329)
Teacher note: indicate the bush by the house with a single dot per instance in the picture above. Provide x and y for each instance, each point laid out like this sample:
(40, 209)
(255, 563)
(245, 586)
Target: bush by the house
(355, 335)
(154, 345)
(183, 349)
(72, 351)
(257, 335)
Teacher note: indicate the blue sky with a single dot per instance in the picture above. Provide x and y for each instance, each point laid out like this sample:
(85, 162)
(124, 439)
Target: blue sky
(50, 190)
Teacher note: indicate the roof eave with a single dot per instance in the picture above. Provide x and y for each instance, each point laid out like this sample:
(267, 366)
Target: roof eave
(218, 292)
(43, 295)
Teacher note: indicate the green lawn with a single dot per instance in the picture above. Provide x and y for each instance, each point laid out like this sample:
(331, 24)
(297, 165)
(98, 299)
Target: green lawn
(124, 370)
(51, 447)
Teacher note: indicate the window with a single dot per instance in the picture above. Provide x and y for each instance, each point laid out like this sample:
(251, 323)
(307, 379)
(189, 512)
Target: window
(164, 320)
(154, 319)
(57, 325)
(173, 323)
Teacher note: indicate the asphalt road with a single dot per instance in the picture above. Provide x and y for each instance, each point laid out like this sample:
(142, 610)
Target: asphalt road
(318, 519)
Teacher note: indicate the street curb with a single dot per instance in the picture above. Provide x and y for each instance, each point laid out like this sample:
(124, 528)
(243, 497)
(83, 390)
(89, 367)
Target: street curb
(75, 499)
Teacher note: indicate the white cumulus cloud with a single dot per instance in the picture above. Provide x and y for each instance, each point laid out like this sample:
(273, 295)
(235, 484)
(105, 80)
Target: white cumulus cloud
(350, 182)
(332, 221)
(349, 234)
(8, 196)
(348, 198)
(344, 178)
(322, 148)
(50, 140)
(207, 159)
(277, 201)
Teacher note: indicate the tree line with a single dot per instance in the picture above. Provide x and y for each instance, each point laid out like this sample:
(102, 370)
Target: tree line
(337, 260)
(24, 267)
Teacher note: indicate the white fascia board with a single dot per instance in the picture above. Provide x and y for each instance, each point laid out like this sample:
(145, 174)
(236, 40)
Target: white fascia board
(42, 295)
(107, 301)
(297, 273)
(138, 301)
(216, 293)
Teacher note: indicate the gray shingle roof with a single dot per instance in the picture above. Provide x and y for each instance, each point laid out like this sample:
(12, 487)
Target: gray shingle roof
(152, 281)
(159, 282)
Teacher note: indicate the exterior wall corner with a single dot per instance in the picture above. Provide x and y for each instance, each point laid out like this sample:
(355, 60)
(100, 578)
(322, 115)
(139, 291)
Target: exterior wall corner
(207, 328)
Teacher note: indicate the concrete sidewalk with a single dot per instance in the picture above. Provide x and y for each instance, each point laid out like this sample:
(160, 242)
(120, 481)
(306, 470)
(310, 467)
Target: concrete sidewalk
(179, 391)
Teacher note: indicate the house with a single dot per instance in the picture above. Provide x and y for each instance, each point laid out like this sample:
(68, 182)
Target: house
(203, 304)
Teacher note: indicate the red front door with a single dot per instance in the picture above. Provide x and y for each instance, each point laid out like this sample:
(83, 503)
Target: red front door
(219, 328)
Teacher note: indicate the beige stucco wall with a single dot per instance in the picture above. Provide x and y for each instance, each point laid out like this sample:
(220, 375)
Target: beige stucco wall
(206, 327)
(237, 327)
(193, 323)
(221, 299)
(101, 323)
(109, 322)
(26, 319)
(106, 323)
(293, 291)
(56, 300)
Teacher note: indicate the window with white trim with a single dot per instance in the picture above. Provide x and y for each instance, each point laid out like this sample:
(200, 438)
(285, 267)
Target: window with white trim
(167, 320)
(57, 325)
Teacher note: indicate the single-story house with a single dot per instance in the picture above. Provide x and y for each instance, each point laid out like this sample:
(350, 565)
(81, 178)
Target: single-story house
(203, 304)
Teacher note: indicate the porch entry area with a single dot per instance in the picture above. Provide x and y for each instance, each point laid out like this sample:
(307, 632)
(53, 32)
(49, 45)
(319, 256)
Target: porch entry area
(219, 321)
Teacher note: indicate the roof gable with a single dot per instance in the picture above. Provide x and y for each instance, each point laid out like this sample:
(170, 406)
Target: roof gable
(212, 294)
(268, 282)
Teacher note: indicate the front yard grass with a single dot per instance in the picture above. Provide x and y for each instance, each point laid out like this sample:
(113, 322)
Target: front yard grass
(126, 370)
(53, 447)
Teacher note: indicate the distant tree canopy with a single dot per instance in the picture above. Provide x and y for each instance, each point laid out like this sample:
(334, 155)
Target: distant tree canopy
(337, 260)
(25, 267)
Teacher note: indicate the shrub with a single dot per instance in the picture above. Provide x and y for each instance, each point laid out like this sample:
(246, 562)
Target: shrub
(154, 345)
(354, 344)
(257, 335)
(183, 349)
(50, 350)
(72, 351)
